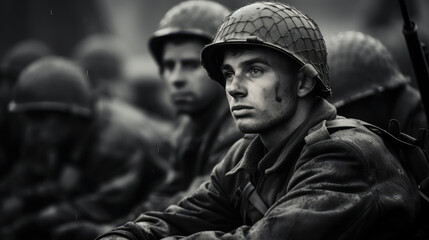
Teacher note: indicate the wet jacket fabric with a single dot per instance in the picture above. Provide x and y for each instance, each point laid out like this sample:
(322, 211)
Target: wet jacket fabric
(195, 154)
(316, 185)
(111, 169)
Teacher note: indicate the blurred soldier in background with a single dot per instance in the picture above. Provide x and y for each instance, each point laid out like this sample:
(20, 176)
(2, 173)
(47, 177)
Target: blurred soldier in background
(295, 179)
(82, 159)
(208, 130)
(367, 84)
(102, 57)
(103, 60)
(11, 65)
(149, 94)
(383, 21)
(202, 141)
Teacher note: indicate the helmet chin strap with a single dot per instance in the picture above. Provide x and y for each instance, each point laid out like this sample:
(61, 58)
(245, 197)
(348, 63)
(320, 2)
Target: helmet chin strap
(309, 70)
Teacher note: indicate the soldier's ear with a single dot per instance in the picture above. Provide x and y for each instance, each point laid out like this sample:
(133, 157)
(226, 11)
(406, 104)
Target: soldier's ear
(305, 84)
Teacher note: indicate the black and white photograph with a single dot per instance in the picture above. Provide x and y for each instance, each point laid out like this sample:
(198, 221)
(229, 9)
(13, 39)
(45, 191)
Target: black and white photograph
(214, 119)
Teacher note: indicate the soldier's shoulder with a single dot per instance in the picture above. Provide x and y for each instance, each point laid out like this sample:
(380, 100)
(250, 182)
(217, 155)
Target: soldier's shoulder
(351, 131)
(352, 141)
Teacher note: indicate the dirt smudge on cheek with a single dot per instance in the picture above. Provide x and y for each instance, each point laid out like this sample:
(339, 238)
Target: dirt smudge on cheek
(276, 89)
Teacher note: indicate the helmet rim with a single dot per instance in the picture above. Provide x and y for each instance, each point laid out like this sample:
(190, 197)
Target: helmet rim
(73, 109)
(158, 39)
(211, 52)
(276, 26)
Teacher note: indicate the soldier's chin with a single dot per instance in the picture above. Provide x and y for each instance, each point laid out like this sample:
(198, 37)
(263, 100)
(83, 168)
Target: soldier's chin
(246, 127)
(185, 109)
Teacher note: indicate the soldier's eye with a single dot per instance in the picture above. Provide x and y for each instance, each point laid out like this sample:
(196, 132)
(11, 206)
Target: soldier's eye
(228, 75)
(191, 64)
(168, 65)
(256, 72)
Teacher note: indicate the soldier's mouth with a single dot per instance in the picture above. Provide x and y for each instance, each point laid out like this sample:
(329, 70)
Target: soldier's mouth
(241, 110)
(240, 107)
(182, 97)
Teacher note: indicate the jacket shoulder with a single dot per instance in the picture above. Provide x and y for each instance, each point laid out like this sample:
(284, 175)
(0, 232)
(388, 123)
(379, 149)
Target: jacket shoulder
(350, 139)
(348, 130)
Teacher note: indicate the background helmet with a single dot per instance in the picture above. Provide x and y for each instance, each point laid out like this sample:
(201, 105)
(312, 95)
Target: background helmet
(198, 19)
(52, 84)
(21, 55)
(360, 66)
(102, 57)
(276, 26)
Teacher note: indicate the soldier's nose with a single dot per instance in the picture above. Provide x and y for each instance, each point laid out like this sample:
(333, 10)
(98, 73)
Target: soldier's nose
(235, 88)
(179, 83)
(177, 77)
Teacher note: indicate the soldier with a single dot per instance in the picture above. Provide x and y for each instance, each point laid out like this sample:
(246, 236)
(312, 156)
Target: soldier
(368, 85)
(295, 179)
(203, 140)
(11, 65)
(102, 57)
(83, 161)
(207, 130)
(103, 60)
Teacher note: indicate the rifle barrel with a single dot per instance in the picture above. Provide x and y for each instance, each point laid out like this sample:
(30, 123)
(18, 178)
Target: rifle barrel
(417, 56)
(408, 24)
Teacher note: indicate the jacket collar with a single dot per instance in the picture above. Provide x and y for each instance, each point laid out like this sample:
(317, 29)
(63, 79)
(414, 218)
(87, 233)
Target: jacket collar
(255, 156)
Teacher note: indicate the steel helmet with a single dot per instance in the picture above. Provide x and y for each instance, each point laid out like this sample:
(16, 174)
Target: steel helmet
(276, 26)
(360, 66)
(101, 56)
(21, 55)
(52, 84)
(198, 19)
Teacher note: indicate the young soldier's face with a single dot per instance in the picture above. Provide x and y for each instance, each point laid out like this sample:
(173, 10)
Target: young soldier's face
(190, 87)
(261, 91)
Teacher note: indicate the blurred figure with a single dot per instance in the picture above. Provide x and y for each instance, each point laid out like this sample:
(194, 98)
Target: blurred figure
(202, 141)
(205, 135)
(83, 159)
(11, 65)
(150, 94)
(102, 57)
(384, 22)
(367, 84)
(21, 55)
